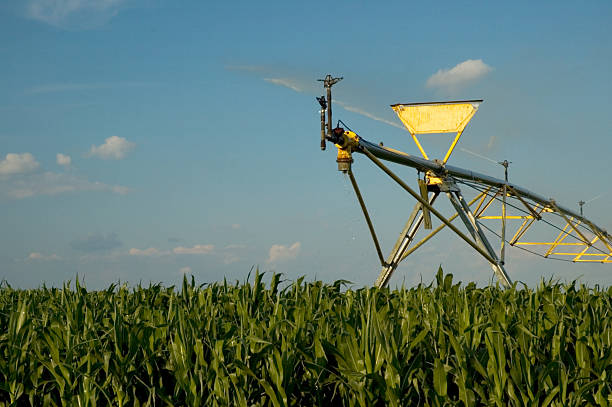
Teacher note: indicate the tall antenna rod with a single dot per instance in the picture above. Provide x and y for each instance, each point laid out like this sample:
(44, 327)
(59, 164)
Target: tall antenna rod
(504, 191)
(328, 82)
(582, 203)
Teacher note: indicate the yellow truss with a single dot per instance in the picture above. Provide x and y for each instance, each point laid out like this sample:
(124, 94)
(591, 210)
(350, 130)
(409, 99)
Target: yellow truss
(584, 246)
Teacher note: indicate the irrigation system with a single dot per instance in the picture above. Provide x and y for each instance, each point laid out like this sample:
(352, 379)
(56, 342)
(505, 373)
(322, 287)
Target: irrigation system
(507, 211)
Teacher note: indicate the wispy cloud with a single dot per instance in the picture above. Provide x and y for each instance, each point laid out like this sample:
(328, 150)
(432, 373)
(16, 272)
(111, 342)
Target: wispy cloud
(52, 183)
(286, 82)
(73, 13)
(301, 87)
(114, 148)
(151, 251)
(461, 74)
(197, 249)
(36, 256)
(18, 164)
(492, 142)
(279, 253)
(367, 114)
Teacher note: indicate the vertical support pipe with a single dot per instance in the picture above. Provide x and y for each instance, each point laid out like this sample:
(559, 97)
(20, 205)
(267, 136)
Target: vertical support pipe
(426, 204)
(404, 240)
(502, 254)
(323, 110)
(481, 238)
(434, 232)
(329, 108)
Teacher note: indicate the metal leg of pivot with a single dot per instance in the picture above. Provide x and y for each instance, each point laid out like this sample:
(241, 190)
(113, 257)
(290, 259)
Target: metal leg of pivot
(367, 217)
(477, 233)
(412, 226)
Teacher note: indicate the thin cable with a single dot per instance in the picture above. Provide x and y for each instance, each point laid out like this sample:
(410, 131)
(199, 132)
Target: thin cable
(527, 250)
(345, 125)
(581, 225)
(552, 225)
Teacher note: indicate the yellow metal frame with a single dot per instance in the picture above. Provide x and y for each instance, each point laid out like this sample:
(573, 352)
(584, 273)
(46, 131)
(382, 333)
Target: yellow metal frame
(586, 250)
(439, 117)
(584, 246)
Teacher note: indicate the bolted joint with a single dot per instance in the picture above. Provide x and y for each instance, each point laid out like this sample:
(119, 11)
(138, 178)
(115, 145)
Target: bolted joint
(346, 142)
(344, 160)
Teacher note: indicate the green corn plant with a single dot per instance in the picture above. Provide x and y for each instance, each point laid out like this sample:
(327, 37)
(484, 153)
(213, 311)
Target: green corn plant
(268, 342)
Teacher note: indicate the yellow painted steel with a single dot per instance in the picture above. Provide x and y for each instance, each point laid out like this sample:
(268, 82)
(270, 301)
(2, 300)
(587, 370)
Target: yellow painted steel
(416, 141)
(484, 196)
(559, 240)
(547, 244)
(432, 179)
(443, 117)
(583, 246)
(453, 116)
(453, 144)
(487, 205)
(499, 217)
(584, 252)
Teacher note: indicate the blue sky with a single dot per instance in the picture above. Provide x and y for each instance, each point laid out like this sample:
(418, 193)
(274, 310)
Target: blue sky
(142, 140)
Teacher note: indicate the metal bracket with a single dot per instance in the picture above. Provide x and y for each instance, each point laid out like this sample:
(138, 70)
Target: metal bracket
(468, 218)
(405, 238)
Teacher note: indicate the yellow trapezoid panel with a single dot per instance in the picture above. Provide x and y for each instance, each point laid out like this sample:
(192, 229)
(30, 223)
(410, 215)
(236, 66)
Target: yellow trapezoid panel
(436, 117)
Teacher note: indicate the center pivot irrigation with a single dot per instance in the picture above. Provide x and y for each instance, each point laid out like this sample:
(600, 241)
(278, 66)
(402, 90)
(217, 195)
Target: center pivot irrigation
(519, 211)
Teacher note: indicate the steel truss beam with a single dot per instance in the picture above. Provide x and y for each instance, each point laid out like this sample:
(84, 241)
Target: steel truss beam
(405, 238)
(468, 218)
(481, 245)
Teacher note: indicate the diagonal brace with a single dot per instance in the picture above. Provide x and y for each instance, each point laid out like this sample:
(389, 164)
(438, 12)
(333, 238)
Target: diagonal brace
(395, 257)
(423, 202)
(367, 217)
(477, 233)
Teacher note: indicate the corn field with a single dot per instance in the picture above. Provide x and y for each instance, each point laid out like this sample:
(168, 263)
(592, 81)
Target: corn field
(257, 344)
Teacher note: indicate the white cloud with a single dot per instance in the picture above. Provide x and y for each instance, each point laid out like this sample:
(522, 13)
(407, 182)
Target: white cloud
(280, 253)
(118, 189)
(82, 13)
(151, 251)
(460, 74)
(367, 114)
(197, 249)
(42, 257)
(286, 82)
(18, 164)
(63, 159)
(236, 226)
(51, 183)
(185, 270)
(114, 148)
